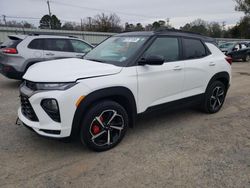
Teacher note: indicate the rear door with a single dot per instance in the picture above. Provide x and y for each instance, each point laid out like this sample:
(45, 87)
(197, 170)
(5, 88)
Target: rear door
(198, 66)
(35, 52)
(57, 48)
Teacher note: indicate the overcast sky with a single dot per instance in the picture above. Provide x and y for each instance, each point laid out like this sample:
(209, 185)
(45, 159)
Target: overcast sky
(132, 11)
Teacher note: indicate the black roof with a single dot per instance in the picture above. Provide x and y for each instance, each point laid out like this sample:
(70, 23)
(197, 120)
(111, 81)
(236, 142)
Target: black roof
(170, 32)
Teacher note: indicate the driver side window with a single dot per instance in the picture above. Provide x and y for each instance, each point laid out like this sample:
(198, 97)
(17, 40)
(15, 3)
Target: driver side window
(165, 47)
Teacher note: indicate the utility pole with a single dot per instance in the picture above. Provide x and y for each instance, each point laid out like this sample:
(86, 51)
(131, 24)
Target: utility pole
(168, 23)
(4, 19)
(223, 29)
(49, 8)
(89, 18)
(81, 25)
(49, 14)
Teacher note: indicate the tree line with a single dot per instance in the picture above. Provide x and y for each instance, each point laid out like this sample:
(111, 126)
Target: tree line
(112, 23)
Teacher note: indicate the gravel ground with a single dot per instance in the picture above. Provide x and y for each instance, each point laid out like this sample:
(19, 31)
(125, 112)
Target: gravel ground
(185, 148)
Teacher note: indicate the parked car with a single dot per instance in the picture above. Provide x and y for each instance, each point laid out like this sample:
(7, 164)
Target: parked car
(21, 51)
(242, 53)
(97, 98)
(232, 46)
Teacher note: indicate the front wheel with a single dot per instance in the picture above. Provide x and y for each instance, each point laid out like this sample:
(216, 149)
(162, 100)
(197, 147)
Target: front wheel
(214, 97)
(104, 126)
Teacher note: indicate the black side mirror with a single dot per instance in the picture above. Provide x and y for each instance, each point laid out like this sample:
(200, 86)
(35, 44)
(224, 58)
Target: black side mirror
(152, 60)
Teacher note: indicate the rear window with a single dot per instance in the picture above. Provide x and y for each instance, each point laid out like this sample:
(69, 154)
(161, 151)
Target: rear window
(11, 43)
(193, 48)
(36, 44)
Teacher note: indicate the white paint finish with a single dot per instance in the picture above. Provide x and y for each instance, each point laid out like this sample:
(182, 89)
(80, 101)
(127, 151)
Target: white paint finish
(156, 83)
(68, 70)
(150, 85)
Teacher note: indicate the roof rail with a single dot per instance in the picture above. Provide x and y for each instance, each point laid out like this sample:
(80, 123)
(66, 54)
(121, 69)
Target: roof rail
(177, 30)
(52, 34)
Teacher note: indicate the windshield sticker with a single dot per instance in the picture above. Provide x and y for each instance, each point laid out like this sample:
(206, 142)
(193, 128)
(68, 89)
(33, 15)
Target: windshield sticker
(131, 39)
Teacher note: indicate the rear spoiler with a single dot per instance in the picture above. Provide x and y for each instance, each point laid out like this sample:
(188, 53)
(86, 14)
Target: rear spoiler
(17, 37)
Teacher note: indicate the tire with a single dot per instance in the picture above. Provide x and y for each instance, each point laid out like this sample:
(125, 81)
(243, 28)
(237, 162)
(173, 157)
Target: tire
(104, 126)
(214, 97)
(247, 58)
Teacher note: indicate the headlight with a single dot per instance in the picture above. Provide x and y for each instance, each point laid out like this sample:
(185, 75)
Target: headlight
(52, 86)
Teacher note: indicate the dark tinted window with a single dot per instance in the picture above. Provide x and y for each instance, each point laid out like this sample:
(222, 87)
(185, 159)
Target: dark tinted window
(193, 48)
(36, 44)
(80, 47)
(167, 47)
(63, 45)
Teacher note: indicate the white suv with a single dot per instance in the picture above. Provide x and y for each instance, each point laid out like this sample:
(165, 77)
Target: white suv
(21, 51)
(99, 97)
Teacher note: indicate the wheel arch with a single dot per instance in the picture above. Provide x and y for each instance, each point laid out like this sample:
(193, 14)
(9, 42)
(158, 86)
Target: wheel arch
(121, 95)
(30, 63)
(221, 76)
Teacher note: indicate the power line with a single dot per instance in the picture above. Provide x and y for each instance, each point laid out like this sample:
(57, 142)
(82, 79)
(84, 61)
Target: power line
(33, 18)
(103, 10)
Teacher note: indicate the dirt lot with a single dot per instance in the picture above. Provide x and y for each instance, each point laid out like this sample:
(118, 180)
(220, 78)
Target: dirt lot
(185, 148)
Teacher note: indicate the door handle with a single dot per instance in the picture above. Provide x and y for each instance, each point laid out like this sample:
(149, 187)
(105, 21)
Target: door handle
(177, 68)
(50, 54)
(212, 64)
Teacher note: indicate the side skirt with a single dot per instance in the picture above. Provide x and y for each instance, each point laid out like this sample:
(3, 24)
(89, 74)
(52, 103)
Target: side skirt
(178, 104)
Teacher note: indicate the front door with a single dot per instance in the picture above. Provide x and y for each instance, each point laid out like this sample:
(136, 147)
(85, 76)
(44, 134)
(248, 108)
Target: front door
(159, 84)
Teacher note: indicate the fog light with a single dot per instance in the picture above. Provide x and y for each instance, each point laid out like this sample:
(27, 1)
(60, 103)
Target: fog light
(51, 107)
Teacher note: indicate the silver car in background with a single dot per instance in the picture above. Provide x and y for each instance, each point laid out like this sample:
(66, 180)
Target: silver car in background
(21, 51)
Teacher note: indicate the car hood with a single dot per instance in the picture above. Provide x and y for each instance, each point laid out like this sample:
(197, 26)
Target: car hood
(68, 70)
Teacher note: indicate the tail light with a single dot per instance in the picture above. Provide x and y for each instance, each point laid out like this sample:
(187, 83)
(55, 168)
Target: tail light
(10, 50)
(229, 60)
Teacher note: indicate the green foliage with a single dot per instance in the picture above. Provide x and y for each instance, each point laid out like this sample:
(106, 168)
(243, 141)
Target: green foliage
(50, 22)
(241, 30)
(132, 27)
(244, 6)
(213, 29)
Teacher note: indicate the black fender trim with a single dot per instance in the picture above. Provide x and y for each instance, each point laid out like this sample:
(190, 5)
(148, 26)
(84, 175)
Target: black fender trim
(122, 95)
(222, 76)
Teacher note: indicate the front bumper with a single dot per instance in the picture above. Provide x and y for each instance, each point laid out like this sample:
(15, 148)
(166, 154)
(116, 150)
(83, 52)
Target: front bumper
(45, 126)
(49, 130)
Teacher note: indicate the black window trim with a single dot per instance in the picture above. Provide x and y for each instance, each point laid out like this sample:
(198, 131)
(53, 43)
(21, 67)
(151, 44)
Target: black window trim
(207, 51)
(151, 41)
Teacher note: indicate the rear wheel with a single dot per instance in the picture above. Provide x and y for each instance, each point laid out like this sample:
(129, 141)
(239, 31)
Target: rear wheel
(214, 97)
(104, 126)
(247, 58)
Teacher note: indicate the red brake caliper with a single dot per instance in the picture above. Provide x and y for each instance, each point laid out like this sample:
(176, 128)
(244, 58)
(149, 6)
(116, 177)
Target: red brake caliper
(96, 128)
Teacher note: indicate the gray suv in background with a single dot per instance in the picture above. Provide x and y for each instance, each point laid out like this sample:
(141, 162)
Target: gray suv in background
(21, 51)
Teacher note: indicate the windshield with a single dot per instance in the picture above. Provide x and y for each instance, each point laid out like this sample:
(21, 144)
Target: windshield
(227, 45)
(116, 50)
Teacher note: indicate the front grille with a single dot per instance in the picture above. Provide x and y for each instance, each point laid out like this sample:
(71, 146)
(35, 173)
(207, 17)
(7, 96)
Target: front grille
(27, 109)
